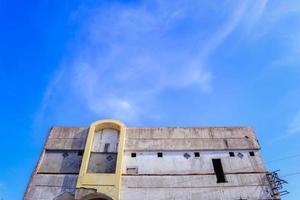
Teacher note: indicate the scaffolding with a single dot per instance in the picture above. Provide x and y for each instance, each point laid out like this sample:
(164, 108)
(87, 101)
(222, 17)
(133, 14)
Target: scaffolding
(276, 185)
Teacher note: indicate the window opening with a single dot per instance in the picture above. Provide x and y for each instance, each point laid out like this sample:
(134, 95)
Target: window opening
(132, 170)
(160, 154)
(106, 147)
(219, 170)
(197, 154)
(133, 155)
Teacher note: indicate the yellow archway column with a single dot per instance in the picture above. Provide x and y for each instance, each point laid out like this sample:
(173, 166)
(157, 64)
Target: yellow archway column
(105, 183)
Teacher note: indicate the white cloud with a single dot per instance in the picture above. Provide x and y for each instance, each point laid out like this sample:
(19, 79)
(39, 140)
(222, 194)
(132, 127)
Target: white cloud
(132, 55)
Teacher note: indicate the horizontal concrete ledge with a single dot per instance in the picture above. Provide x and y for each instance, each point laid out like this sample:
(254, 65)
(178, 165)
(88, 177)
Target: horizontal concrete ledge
(191, 127)
(100, 185)
(55, 186)
(193, 138)
(197, 174)
(62, 150)
(215, 186)
(175, 150)
(57, 173)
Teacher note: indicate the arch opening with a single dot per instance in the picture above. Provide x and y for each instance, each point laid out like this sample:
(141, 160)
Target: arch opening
(96, 196)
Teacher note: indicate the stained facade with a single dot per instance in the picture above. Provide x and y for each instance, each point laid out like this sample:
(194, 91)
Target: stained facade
(111, 161)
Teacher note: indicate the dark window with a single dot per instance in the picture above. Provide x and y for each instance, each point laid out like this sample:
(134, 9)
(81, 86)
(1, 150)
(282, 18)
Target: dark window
(133, 155)
(160, 154)
(219, 170)
(106, 147)
(251, 153)
(79, 153)
(197, 154)
(231, 154)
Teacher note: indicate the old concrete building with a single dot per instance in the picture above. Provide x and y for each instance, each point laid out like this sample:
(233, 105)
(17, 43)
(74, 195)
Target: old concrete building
(111, 161)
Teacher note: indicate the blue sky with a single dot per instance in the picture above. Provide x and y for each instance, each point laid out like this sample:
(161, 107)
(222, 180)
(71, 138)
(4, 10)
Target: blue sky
(148, 63)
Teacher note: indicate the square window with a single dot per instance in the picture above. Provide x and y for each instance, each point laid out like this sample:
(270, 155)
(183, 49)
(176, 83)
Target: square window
(133, 155)
(231, 154)
(160, 154)
(197, 154)
(251, 153)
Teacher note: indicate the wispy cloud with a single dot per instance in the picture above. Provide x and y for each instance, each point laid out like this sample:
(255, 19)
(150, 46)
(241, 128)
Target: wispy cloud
(294, 127)
(227, 28)
(2, 189)
(264, 20)
(290, 57)
(128, 56)
(50, 89)
(253, 15)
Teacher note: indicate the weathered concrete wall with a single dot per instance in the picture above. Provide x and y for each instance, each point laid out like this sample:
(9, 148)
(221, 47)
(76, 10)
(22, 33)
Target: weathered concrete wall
(246, 186)
(189, 132)
(171, 177)
(176, 163)
(48, 187)
(59, 161)
(67, 138)
(61, 155)
(169, 138)
(155, 139)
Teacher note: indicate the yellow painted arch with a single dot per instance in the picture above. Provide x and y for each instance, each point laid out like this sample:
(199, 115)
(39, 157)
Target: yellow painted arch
(105, 183)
